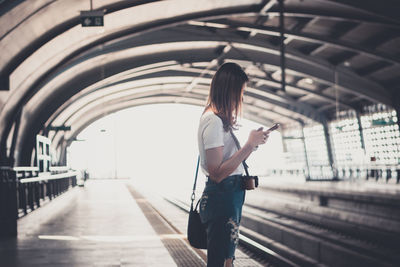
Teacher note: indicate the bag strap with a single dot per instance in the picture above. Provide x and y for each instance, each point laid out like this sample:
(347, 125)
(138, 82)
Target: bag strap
(246, 167)
(193, 197)
(195, 181)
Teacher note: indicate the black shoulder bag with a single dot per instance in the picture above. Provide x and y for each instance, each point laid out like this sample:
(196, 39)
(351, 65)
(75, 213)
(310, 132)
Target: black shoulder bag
(248, 182)
(196, 232)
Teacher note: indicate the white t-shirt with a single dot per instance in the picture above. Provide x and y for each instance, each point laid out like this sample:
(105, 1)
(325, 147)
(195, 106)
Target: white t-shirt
(211, 134)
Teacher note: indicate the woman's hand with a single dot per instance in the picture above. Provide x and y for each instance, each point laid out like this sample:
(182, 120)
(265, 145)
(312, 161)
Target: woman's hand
(219, 170)
(257, 137)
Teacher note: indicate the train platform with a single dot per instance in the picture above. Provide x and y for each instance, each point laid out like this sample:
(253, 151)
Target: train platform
(125, 222)
(105, 223)
(363, 203)
(100, 224)
(312, 217)
(356, 188)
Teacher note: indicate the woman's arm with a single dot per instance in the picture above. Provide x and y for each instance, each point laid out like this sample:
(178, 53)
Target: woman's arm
(219, 170)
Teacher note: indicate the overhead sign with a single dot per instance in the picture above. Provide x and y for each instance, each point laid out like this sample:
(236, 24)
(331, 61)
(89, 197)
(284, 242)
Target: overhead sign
(386, 121)
(92, 18)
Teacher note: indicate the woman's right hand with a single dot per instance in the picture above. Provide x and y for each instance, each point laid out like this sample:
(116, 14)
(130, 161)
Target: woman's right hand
(257, 137)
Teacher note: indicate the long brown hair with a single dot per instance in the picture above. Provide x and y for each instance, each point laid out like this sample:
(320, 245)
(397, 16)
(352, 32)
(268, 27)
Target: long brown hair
(225, 98)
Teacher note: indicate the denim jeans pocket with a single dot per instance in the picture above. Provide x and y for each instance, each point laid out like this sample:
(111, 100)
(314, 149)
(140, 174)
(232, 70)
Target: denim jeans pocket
(209, 206)
(230, 184)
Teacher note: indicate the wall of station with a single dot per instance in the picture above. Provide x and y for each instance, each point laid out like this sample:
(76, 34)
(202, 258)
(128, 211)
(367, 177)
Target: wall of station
(377, 144)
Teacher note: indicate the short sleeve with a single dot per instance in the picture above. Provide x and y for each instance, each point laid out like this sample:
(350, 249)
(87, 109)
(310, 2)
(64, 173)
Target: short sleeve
(213, 133)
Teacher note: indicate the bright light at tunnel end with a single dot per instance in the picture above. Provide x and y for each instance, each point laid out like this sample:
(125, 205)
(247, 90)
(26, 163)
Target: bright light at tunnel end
(157, 143)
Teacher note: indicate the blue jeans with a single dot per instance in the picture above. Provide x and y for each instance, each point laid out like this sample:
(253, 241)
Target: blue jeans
(221, 212)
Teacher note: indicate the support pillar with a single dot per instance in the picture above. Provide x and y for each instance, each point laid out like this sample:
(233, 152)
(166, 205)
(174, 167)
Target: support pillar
(361, 130)
(398, 115)
(305, 153)
(282, 37)
(62, 161)
(4, 82)
(14, 140)
(8, 203)
(396, 106)
(329, 150)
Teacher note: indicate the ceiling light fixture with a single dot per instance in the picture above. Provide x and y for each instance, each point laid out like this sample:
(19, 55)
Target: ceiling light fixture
(308, 80)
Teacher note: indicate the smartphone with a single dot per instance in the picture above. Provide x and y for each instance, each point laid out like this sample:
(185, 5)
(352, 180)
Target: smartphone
(273, 128)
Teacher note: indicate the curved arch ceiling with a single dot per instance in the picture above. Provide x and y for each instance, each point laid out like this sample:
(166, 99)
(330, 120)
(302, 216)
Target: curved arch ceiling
(110, 107)
(162, 50)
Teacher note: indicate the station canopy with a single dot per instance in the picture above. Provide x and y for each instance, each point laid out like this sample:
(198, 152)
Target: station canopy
(338, 55)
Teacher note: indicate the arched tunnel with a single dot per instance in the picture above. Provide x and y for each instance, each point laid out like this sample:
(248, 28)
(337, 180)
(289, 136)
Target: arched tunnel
(310, 63)
(170, 56)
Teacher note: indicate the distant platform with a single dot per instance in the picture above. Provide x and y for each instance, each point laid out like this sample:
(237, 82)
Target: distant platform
(354, 187)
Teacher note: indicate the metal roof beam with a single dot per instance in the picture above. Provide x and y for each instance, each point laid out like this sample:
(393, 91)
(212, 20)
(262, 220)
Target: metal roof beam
(180, 70)
(335, 16)
(41, 37)
(310, 93)
(372, 8)
(283, 98)
(263, 93)
(109, 106)
(308, 37)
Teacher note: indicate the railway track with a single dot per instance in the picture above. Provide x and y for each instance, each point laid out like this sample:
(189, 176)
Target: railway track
(285, 241)
(263, 255)
(377, 223)
(291, 233)
(317, 242)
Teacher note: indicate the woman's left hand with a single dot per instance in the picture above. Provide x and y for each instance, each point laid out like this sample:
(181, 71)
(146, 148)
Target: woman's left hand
(266, 136)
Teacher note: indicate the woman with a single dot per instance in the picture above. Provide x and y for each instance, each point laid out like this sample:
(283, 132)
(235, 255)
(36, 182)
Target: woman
(221, 161)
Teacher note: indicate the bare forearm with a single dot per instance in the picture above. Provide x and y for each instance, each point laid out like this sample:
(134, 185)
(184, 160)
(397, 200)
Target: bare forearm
(228, 166)
(219, 169)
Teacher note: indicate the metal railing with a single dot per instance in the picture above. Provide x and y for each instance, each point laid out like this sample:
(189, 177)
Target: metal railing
(24, 189)
(33, 189)
(356, 172)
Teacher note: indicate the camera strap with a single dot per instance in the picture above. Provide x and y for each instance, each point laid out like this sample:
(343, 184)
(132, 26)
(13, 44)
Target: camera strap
(246, 167)
(195, 181)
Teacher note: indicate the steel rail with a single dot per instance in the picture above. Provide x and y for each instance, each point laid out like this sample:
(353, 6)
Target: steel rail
(47, 177)
(250, 244)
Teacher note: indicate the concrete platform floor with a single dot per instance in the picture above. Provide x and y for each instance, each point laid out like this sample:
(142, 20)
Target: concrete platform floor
(96, 225)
